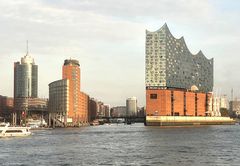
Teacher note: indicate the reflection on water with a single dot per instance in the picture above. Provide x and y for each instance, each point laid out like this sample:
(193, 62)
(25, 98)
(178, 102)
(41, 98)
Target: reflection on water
(125, 145)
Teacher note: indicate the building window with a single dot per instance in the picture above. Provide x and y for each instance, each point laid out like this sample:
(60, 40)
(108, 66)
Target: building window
(153, 96)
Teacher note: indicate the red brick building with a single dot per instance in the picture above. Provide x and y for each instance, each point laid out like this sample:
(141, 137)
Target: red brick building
(84, 107)
(78, 101)
(176, 102)
(71, 71)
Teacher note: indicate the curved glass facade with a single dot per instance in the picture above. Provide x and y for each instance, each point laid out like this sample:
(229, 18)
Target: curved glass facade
(169, 63)
(25, 78)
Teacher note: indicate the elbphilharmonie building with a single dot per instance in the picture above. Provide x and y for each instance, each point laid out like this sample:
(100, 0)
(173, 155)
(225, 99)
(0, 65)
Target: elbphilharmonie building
(179, 84)
(170, 64)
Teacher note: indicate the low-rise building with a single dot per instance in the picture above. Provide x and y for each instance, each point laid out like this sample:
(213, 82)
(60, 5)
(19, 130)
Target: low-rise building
(58, 102)
(118, 111)
(6, 108)
(234, 108)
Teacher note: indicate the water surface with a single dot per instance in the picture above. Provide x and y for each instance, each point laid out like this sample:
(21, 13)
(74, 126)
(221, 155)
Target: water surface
(125, 145)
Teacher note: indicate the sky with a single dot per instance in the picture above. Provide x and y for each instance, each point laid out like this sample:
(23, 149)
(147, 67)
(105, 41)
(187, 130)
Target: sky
(108, 39)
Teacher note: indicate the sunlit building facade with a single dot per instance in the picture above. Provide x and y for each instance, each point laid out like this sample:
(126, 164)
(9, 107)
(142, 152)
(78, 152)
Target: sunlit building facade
(25, 86)
(68, 106)
(178, 83)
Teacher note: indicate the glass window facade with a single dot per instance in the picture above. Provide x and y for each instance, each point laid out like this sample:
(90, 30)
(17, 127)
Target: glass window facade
(169, 63)
(26, 78)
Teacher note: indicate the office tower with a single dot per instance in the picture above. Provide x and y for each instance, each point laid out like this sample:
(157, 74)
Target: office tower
(25, 86)
(131, 105)
(68, 106)
(71, 71)
(25, 78)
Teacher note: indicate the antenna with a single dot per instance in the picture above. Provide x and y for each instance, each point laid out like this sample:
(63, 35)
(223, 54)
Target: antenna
(27, 47)
(232, 94)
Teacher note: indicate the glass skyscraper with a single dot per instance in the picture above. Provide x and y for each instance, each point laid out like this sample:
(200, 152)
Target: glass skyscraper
(25, 87)
(25, 78)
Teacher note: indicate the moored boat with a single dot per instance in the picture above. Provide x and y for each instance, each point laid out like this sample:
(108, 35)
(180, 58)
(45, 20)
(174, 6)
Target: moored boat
(9, 131)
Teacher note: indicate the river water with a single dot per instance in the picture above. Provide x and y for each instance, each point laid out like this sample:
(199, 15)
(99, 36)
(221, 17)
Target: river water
(125, 145)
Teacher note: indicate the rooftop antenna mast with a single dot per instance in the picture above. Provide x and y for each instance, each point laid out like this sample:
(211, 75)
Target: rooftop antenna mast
(27, 47)
(232, 94)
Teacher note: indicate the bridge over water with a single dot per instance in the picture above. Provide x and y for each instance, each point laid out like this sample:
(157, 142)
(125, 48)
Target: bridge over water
(126, 119)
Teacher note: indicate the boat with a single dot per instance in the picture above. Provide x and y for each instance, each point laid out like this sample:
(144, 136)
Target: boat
(9, 131)
(35, 124)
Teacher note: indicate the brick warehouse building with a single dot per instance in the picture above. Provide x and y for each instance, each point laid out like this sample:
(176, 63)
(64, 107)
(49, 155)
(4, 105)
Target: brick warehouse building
(178, 83)
(177, 102)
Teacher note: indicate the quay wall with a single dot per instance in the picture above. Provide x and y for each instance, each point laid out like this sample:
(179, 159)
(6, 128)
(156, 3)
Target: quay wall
(187, 120)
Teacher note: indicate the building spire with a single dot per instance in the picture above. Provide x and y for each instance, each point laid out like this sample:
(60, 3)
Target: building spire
(27, 47)
(27, 58)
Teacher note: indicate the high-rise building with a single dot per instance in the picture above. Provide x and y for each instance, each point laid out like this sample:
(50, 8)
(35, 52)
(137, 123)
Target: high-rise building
(71, 71)
(178, 83)
(25, 86)
(131, 105)
(75, 104)
(25, 78)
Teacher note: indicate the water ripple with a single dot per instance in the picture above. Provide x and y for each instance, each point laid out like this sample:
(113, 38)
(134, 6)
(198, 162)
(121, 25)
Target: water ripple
(125, 145)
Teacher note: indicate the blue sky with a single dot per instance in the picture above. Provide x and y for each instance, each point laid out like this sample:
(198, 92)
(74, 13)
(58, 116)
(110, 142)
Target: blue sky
(108, 38)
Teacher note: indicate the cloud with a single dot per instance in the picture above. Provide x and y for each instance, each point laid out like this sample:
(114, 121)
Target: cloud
(108, 38)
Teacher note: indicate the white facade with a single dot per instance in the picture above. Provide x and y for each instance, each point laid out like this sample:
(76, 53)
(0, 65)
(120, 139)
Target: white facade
(215, 105)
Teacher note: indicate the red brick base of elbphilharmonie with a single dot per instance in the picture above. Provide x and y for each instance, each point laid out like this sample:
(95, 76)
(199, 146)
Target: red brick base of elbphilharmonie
(180, 107)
